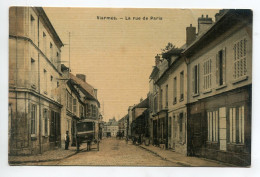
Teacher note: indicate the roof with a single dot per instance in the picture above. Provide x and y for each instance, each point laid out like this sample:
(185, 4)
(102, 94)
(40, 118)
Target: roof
(49, 26)
(172, 52)
(143, 104)
(87, 87)
(226, 21)
(154, 72)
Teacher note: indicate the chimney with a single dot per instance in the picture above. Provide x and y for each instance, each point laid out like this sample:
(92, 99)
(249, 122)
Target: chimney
(157, 60)
(81, 76)
(190, 34)
(204, 23)
(219, 14)
(95, 92)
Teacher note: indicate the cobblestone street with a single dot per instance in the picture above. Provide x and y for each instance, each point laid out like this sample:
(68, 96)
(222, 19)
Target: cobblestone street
(112, 152)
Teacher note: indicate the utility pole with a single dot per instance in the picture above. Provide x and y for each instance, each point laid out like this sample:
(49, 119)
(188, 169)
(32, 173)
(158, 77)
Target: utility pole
(69, 52)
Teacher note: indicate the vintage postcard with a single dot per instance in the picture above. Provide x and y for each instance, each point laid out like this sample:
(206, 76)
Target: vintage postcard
(130, 87)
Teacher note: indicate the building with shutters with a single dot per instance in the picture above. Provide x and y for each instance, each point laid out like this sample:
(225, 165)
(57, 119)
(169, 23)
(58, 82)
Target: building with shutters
(34, 86)
(219, 68)
(79, 100)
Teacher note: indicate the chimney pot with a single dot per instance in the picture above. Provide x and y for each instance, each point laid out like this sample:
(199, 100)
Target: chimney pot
(190, 34)
(157, 60)
(81, 76)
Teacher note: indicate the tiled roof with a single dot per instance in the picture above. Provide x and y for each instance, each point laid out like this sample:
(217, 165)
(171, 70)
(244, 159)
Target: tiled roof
(87, 87)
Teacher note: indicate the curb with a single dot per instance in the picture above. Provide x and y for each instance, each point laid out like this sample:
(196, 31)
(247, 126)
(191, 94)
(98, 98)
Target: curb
(164, 158)
(189, 165)
(37, 161)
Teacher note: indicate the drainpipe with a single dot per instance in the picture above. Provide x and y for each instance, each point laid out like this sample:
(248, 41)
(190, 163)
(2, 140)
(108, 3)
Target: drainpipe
(39, 91)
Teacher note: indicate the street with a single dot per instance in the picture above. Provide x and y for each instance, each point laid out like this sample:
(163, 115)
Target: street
(113, 152)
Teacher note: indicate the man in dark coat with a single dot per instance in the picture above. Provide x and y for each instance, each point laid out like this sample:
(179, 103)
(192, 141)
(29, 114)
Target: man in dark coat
(67, 140)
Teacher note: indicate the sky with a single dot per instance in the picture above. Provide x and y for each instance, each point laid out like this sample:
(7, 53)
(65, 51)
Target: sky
(117, 56)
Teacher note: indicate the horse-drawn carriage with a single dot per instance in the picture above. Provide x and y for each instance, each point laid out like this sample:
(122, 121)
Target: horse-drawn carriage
(87, 132)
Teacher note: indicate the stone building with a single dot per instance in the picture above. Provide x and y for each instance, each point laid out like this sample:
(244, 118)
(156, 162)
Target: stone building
(219, 64)
(140, 119)
(34, 86)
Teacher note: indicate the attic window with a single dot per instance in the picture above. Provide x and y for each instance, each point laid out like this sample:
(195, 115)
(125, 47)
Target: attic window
(32, 60)
(51, 78)
(57, 54)
(50, 45)
(43, 34)
(32, 18)
(44, 70)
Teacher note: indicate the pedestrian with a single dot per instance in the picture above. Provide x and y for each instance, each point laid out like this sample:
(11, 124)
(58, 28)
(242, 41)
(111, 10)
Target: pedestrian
(88, 144)
(67, 140)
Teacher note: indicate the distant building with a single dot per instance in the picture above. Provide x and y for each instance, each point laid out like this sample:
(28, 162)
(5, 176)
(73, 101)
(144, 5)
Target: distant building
(111, 128)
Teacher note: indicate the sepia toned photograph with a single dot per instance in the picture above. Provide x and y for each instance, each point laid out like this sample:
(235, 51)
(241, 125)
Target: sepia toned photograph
(132, 87)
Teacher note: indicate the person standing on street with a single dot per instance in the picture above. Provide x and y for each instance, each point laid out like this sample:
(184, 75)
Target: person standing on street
(67, 140)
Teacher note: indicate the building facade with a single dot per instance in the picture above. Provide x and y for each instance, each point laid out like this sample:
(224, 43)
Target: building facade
(34, 92)
(220, 89)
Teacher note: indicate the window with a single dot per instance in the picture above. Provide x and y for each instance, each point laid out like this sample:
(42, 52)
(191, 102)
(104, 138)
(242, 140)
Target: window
(220, 67)
(74, 105)
(236, 125)
(170, 127)
(69, 104)
(155, 103)
(195, 79)
(33, 120)
(81, 111)
(161, 96)
(51, 52)
(181, 85)
(240, 63)
(166, 96)
(33, 73)
(91, 111)
(45, 122)
(45, 81)
(207, 74)
(44, 42)
(175, 90)
(33, 34)
(213, 124)
(181, 138)
(67, 99)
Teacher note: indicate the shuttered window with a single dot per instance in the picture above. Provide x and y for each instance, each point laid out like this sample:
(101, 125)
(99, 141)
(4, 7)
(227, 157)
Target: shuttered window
(221, 67)
(175, 90)
(240, 55)
(213, 126)
(207, 74)
(181, 85)
(33, 120)
(195, 79)
(236, 125)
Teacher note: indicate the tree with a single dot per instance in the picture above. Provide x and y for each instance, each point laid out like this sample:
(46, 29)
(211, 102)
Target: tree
(168, 47)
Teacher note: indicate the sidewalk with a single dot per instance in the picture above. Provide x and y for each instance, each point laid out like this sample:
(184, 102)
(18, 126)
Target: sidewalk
(52, 155)
(182, 159)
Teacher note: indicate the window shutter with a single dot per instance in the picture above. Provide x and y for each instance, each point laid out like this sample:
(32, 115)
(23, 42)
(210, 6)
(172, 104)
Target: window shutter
(48, 123)
(204, 73)
(224, 64)
(198, 72)
(42, 125)
(217, 69)
(193, 80)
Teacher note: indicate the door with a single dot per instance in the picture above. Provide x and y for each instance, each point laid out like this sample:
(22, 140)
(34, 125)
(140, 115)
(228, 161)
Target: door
(195, 139)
